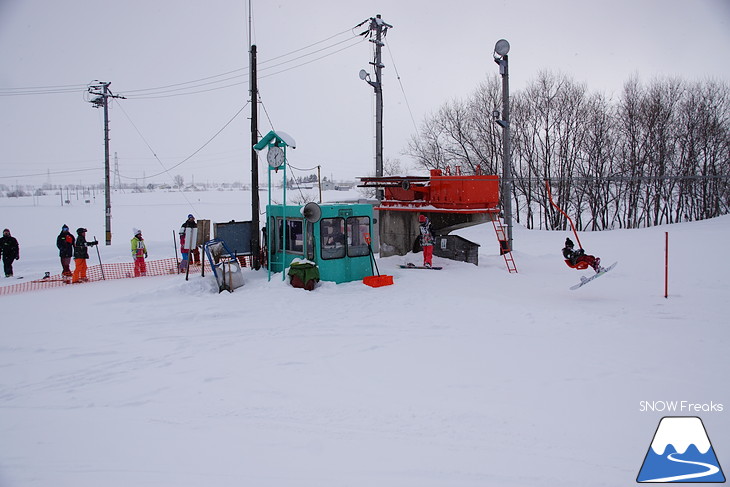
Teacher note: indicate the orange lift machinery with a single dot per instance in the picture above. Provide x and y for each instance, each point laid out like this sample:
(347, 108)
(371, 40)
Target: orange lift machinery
(449, 199)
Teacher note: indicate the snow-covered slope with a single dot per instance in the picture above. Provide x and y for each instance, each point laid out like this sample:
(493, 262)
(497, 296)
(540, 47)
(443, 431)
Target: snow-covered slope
(469, 376)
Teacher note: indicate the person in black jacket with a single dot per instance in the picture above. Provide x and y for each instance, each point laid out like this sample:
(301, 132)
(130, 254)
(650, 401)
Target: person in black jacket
(81, 253)
(578, 259)
(10, 251)
(65, 243)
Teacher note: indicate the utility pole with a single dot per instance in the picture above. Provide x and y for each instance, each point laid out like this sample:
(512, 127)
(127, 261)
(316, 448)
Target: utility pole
(377, 30)
(254, 160)
(100, 92)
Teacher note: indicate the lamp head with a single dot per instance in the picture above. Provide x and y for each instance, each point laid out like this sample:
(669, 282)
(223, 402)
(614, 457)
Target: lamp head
(501, 47)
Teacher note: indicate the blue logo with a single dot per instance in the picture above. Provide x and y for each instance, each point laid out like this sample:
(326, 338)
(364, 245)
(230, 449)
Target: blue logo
(681, 452)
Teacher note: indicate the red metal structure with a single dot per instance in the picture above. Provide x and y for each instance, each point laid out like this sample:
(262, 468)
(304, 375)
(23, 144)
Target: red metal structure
(450, 199)
(441, 192)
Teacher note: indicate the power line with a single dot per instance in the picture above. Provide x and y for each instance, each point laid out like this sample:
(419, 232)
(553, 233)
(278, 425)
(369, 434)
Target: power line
(397, 74)
(47, 173)
(209, 83)
(41, 90)
(167, 170)
(182, 88)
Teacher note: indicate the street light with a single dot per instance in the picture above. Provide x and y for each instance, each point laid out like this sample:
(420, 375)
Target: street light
(501, 49)
(378, 87)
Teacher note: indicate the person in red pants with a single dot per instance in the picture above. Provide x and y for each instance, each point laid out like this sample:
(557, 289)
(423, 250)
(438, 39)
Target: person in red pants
(139, 254)
(426, 240)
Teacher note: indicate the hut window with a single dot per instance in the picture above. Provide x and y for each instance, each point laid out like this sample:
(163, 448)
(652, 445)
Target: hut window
(357, 227)
(332, 238)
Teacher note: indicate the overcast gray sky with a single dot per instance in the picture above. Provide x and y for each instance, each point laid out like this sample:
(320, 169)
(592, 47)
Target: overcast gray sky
(157, 52)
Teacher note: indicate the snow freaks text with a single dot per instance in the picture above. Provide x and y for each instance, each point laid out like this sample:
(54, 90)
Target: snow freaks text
(680, 407)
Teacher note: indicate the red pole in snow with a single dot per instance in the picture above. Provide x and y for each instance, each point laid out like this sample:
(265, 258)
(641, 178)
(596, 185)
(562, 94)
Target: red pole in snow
(666, 264)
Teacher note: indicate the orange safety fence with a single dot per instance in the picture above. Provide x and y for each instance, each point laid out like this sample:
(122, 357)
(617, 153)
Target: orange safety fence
(119, 270)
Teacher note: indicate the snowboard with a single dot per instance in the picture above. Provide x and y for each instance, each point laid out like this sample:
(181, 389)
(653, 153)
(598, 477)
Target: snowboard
(585, 280)
(414, 266)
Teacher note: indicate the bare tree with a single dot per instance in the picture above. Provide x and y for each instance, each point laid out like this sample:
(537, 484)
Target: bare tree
(658, 154)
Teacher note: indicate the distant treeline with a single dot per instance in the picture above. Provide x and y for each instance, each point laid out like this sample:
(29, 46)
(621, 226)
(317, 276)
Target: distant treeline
(658, 153)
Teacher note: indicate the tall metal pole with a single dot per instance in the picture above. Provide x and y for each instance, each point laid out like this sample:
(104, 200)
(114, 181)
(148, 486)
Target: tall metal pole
(501, 49)
(107, 188)
(378, 86)
(254, 161)
(380, 28)
(101, 94)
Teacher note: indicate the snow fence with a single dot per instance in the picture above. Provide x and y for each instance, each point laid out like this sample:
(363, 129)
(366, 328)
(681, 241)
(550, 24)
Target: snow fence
(120, 270)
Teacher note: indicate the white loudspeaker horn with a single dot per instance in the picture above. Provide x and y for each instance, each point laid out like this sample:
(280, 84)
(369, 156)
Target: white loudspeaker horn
(312, 212)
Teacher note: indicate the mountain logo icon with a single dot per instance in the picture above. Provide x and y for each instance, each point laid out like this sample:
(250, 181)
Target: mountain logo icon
(680, 452)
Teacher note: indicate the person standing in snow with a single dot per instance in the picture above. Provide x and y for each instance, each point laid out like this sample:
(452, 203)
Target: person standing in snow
(81, 254)
(574, 257)
(10, 251)
(65, 243)
(139, 254)
(187, 247)
(426, 235)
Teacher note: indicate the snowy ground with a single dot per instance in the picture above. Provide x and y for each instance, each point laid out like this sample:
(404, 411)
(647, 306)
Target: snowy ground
(469, 376)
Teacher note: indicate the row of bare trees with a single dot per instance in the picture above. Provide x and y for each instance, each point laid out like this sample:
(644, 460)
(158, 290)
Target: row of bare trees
(659, 153)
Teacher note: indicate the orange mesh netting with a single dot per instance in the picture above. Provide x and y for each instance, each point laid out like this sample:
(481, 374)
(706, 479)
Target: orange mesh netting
(120, 270)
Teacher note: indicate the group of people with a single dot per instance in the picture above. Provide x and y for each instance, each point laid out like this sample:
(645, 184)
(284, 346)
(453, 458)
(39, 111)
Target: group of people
(77, 248)
(74, 247)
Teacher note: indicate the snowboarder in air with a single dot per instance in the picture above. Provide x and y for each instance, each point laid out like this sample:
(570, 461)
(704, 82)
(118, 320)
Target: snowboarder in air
(65, 243)
(426, 235)
(578, 259)
(10, 251)
(139, 254)
(81, 254)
